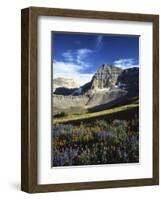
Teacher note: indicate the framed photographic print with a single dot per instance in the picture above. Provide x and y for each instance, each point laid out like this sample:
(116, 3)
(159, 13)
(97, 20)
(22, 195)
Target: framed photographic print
(90, 100)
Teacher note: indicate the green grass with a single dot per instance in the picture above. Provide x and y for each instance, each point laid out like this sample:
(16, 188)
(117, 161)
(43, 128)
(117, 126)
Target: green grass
(74, 117)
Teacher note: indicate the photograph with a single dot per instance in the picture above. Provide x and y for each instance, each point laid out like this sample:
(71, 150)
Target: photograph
(95, 100)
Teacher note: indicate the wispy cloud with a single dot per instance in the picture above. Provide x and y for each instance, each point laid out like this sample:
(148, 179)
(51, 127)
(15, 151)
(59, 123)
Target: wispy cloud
(99, 41)
(68, 56)
(70, 70)
(81, 55)
(75, 63)
(78, 56)
(126, 63)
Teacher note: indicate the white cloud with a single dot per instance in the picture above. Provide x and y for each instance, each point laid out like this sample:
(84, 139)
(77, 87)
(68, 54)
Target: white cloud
(70, 70)
(125, 63)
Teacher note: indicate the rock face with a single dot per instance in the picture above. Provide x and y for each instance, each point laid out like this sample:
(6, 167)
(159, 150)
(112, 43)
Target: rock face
(64, 83)
(105, 77)
(129, 80)
(103, 97)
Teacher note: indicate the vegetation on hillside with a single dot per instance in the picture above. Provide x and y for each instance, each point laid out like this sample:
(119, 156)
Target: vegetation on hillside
(97, 142)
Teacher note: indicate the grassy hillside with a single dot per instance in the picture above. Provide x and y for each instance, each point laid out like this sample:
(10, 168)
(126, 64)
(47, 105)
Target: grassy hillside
(88, 116)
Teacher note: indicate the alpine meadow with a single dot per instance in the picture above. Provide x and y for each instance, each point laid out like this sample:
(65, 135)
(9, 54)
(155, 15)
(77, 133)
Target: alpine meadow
(95, 99)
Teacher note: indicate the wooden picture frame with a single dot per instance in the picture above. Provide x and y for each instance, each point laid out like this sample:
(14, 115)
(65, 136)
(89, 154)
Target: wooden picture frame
(29, 97)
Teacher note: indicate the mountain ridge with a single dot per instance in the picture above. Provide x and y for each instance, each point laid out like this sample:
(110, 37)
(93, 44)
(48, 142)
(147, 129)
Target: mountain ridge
(64, 82)
(109, 86)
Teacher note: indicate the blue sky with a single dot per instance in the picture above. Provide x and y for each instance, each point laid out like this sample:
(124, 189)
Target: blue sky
(78, 56)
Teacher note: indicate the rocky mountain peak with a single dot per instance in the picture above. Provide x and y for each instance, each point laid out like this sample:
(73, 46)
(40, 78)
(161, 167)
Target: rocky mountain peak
(104, 67)
(105, 77)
